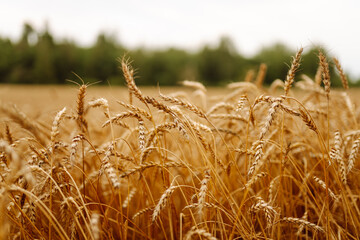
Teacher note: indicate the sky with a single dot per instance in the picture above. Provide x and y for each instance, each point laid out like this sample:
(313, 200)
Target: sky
(189, 24)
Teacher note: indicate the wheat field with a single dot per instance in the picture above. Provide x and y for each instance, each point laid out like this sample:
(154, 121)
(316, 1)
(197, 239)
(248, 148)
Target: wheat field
(246, 162)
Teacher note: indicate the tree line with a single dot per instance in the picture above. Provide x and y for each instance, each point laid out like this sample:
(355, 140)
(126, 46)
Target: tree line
(38, 58)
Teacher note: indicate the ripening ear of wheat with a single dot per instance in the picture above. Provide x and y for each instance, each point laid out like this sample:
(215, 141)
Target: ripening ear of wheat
(248, 165)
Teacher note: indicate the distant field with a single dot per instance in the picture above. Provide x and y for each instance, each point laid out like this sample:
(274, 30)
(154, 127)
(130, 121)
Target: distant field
(47, 99)
(44, 100)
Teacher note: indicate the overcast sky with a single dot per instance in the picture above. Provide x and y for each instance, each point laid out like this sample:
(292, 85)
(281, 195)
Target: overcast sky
(189, 24)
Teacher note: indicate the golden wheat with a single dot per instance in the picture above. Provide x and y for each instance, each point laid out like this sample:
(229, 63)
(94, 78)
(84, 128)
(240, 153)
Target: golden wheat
(243, 165)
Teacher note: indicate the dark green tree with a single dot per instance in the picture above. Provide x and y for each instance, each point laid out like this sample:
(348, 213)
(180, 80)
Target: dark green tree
(220, 64)
(44, 66)
(277, 57)
(7, 59)
(166, 67)
(67, 61)
(101, 62)
(24, 56)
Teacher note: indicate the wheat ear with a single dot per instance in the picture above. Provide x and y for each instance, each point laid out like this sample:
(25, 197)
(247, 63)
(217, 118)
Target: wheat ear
(163, 201)
(353, 154)
(259, 145)
(301, 227)
(193, 84)
(268, 210)
(184, 104)
(325, 73)
(255, 178)
(203, 191)
(128, 72)
(73, 148)
(129, 197)
(301, 221)
(269, 119)
(200, 232)
(308, 120)
(343, 77)
(109, 169)
(8, 134)
(56, 124)
(261, 75)
(94, 224)
(80, 118)
(323, 185)
(291, 74)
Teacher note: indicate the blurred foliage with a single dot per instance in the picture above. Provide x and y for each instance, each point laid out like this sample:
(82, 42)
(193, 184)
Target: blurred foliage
(40, 59)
